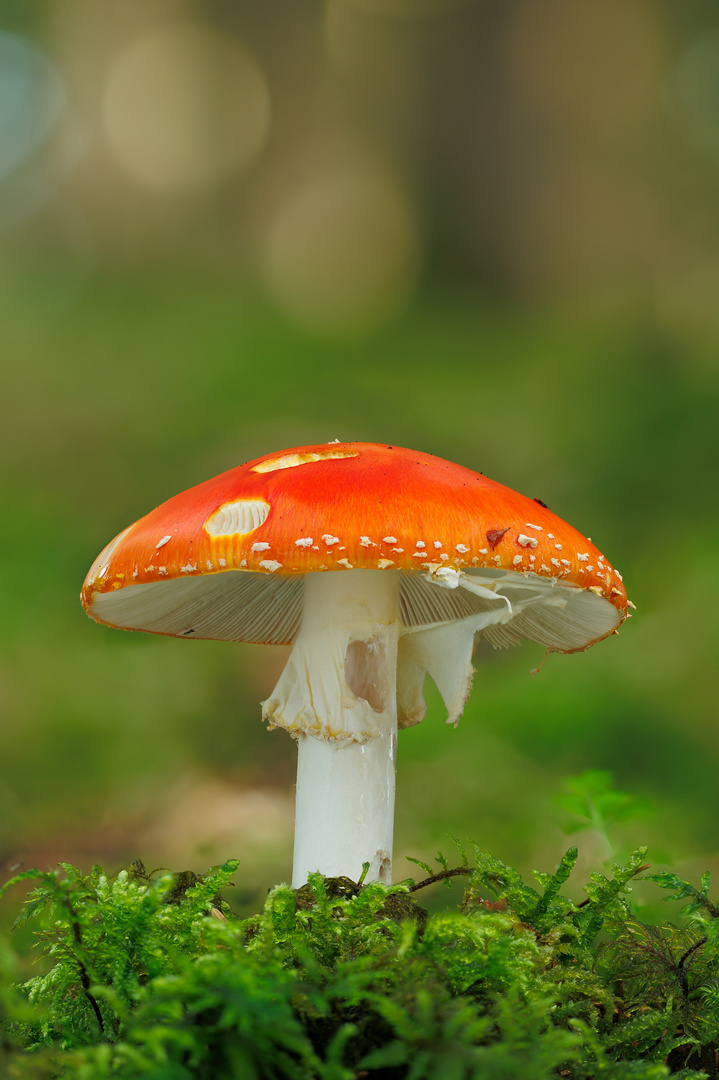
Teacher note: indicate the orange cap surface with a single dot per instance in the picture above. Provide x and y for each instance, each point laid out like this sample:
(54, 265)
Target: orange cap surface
(344, 506)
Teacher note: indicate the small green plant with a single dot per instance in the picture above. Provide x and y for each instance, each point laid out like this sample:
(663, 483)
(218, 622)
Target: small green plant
(150, 975)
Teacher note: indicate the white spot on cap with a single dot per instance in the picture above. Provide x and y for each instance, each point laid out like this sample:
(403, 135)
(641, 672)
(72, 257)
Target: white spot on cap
(261, 546)
(445, 576)
(566, 562)
(583, 556)
(556, 562)
(330, 540)
(484, 551)
(551, 536)
(162, 570)
(461, 548)
(188, 568)
(384, 563)
(239, 517)
(149, 569)
(517, 559)
(271, 565)
(366, 542)
(222, 562)
(389, 539)
(527, 541)
(162, 542)
(398, 550)
(444, 556)
(529, 525)
(304, 541)
(420, 544)
(438, 543)
(558, 547)
(344, 562)
(419, 554)
(290, 461)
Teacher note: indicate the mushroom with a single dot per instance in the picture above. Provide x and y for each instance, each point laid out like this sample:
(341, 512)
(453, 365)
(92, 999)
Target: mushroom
(380, 565)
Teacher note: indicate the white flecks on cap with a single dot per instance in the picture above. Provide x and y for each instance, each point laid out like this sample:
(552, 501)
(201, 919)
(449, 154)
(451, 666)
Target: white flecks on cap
(399, 550)
(484, 551)
(558, 547)
(188, 568)
(583, 556)
(162, 570)
(419, 554)
(444, 556)
(242, 516)
(517, 559)
(384, 563)
(389, 539)
(527, 541)
(551, 536)
(329, 539)
(161, 543)
(208, 564)
(445, 576)
(461, 548)
(290, 461)
(271, 565)
(222, 562)
(420, 544)
(556, 562)
(149, 569)
(437, 544)
(566, 562)
(304, 541)
(261, 546)
(528, 525)
(366, 542)
(344, 562)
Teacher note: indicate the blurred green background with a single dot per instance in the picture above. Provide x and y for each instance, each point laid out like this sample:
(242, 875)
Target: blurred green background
(489, 231)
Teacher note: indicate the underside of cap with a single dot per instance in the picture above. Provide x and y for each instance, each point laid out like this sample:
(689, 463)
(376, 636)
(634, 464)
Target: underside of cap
(239, 605)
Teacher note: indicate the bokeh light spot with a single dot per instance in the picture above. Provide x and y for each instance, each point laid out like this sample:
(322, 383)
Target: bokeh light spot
(185, 108)
(31, 99)
(343, 252)
(693, 95)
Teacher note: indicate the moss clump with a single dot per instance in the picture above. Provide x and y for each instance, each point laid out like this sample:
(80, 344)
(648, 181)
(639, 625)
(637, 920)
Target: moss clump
(151, 975)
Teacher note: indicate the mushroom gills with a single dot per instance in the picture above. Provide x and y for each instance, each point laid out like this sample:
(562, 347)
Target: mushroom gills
(237, 605)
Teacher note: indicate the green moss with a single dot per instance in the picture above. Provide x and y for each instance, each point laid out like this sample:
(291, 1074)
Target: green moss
(151, 975)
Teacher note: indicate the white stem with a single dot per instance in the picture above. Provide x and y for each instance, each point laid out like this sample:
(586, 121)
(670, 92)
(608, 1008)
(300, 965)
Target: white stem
(344, 811)
(338, 696)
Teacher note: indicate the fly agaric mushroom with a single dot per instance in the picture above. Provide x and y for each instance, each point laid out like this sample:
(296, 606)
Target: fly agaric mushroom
(380, 565)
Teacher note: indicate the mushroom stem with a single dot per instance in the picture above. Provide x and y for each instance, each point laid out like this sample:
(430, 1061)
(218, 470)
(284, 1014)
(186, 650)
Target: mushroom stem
(344, 809)
(337, 696)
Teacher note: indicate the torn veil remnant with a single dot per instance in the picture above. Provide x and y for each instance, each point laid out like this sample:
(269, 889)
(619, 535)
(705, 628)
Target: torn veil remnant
(380, 565)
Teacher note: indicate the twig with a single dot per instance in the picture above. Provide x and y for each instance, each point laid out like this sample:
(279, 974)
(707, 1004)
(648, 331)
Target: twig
(441, 876)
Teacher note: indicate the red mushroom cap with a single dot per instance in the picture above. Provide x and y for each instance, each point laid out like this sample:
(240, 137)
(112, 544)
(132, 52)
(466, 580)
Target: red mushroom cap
(342, 506)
